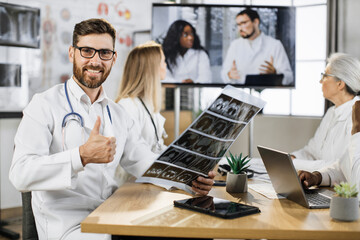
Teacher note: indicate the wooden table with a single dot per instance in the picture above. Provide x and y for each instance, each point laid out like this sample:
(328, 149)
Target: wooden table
(146, 210)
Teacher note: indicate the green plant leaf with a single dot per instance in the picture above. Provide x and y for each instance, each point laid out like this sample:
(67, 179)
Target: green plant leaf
(344, 189)
(238, 163)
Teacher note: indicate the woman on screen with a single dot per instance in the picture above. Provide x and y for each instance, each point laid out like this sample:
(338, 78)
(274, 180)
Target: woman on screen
(187, 61)
(340, 85)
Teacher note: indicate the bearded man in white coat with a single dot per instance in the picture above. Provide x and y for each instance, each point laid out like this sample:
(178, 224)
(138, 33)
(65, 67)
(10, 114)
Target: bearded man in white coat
(254, 52)
(72, 137)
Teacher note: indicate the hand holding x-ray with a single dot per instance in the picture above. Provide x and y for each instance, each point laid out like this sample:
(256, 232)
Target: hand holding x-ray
(98, 148)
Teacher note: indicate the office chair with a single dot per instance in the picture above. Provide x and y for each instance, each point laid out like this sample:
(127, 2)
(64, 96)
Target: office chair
(28, 226)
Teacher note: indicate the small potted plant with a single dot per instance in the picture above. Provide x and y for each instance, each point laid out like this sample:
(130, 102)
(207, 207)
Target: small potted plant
(236, 179)
(344, 205)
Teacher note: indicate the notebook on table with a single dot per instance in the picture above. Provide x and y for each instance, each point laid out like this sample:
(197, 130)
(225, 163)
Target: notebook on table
(286, 182)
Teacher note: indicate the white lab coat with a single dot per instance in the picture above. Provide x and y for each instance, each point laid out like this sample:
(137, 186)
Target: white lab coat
(195, 65)
(250, 55)
(347, 169)
(63, 191)
(332, 137)
(138, 113)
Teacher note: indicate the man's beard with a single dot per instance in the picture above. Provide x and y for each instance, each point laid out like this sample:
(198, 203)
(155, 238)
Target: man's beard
(249, 35)
(87, 81)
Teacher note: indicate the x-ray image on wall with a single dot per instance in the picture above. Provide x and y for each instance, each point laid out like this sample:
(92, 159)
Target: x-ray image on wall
(20, 26)
(10, 75)
(201, 146)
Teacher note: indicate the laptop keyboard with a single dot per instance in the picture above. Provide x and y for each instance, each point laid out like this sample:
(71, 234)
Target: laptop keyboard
(316, 199)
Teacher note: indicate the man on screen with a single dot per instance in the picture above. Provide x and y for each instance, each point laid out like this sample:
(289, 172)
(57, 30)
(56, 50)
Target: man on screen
(254, 52)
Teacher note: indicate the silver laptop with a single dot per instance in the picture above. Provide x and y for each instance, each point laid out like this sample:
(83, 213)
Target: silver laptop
(286, 182)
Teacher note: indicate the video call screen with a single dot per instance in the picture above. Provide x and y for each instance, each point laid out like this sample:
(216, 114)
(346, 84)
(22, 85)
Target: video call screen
(216, 28)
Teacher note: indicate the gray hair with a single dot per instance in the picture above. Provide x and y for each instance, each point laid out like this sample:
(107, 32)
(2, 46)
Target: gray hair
(347, 69)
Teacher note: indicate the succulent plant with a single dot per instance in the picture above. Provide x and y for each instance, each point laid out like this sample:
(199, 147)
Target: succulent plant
(238, 164)
(345, 190)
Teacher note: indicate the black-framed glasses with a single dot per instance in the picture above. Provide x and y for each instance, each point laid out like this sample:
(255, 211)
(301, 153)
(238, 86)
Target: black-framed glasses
(88, 52)
(240, 24)
(328, 75)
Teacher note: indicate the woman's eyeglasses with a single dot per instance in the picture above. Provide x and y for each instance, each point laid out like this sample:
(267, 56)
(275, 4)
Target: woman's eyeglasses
(323, 75)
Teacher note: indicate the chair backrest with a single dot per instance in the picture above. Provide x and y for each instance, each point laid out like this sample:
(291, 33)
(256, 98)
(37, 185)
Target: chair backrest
(28, 226)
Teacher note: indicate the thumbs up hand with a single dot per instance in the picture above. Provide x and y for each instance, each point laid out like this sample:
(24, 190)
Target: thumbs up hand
(234, 73)
(98, 148)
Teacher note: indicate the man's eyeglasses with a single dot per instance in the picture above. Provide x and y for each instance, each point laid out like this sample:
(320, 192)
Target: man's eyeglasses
(240, 24)
(328, 75)
(88, 52)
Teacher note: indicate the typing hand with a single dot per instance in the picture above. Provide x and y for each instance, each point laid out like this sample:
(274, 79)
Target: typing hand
(234, 73)
(202, 186)
(356, 118)
(309, 179)
(268, 67)
(97, 149)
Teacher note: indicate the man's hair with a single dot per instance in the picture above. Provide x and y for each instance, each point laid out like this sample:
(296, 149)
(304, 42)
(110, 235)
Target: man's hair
(252, 14)
(91, 26)
(141, 75)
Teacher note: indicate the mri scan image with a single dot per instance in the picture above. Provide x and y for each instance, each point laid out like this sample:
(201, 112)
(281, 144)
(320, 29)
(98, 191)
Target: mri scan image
(170, 173)
(155, 170)
(251, 113)
(203, 165)
(186, 177)
(243, 112)
(170, 155)
(205, 123)
(220, 104)
(237, 128)
(186, 159)
(187, 140)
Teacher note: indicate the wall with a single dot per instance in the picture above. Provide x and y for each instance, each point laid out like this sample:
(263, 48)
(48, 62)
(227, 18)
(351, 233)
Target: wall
(348, 32)
(285, 133)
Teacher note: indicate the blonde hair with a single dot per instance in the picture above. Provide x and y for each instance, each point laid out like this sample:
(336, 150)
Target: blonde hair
(141, 76)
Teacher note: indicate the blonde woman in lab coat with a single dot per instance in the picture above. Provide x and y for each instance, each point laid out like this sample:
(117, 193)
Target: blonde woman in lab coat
(140, 92)
(340, 85)
(140, 95)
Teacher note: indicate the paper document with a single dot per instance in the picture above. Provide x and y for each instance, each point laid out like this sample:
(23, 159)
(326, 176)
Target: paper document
(201, 146)
(265, 189)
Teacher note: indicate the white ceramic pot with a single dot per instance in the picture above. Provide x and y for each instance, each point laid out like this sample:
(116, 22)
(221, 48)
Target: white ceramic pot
(236, 183)
(344, 209)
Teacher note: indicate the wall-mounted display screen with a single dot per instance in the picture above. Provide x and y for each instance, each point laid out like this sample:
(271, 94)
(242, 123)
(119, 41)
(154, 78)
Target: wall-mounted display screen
(19, 26)
(241, 45)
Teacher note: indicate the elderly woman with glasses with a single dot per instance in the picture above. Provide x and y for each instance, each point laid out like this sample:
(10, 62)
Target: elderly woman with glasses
(340, 85)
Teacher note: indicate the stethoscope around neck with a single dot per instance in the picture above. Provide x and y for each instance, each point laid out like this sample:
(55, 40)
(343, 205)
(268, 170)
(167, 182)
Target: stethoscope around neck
(74, 116)
(158, 143)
